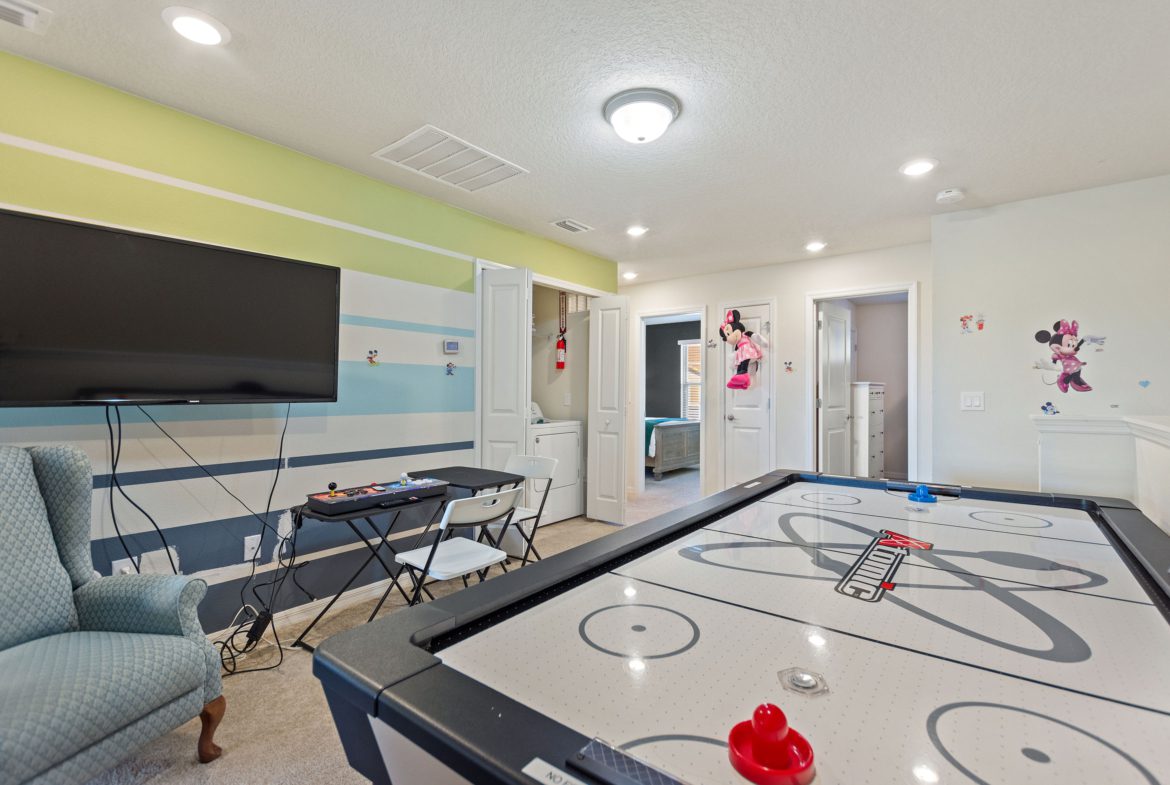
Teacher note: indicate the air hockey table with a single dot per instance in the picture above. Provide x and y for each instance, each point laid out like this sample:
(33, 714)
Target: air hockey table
(989, 637)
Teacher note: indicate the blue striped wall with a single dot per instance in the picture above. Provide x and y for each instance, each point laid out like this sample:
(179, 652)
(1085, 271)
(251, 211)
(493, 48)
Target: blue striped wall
(402, 414)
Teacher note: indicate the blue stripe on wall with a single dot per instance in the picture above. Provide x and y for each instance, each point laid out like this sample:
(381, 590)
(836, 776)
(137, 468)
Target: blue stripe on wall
(148, 476)
(416, 327)
(388, 388)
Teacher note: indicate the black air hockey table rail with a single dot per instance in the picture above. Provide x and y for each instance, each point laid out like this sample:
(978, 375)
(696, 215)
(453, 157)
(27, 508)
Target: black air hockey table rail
(404, 714)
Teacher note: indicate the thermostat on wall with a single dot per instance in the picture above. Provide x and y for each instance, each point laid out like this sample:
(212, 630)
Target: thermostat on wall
(450, 346)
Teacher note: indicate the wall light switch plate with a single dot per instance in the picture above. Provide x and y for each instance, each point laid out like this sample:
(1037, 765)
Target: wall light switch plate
(971, 402)
(568, 400)
(251, 547)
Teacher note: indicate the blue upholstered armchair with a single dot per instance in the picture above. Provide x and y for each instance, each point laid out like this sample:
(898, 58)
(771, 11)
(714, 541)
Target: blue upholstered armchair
(90, 667)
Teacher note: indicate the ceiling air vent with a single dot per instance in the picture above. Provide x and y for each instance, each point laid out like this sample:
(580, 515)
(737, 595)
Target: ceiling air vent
(27, 15)
(445, 157)
(569, 225)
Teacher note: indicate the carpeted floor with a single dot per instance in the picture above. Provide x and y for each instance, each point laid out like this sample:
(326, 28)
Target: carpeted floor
(278, 729)
(674, 490)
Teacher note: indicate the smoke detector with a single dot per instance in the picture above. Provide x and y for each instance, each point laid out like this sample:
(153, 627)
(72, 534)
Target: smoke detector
(950, 196)
(27, 16)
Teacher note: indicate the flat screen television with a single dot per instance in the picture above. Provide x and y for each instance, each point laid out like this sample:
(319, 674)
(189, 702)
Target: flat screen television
(92, 315)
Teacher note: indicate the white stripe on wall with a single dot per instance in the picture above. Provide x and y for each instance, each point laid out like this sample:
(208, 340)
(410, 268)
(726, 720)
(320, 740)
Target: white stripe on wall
(187, 185)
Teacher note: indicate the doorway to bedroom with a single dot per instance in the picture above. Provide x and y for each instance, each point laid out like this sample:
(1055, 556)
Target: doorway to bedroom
(670, 393)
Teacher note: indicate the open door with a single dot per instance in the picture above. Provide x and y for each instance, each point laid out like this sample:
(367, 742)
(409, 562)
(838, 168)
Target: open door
(505, 364)
(605, 483)
(834, 330)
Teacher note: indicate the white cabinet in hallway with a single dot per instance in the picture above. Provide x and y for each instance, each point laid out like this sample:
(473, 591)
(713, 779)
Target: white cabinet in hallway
(869, 429)
(560, 439)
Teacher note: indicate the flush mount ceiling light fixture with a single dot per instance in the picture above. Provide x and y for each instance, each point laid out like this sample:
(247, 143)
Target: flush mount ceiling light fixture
(918, 167)
(196, 26)
(641, 115)
(636, 230)
(630, 275)
(816, 246)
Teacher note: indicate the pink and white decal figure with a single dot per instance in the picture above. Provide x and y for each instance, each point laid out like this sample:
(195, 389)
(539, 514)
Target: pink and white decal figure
(1065, 343)
(733, 332)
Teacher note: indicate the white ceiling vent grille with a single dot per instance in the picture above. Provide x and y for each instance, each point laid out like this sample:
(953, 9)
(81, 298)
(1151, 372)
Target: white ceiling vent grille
(445, 157)
(569, 225)
(26, 15)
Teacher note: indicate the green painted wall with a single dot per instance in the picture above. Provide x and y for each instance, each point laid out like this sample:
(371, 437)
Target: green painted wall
(61, 109)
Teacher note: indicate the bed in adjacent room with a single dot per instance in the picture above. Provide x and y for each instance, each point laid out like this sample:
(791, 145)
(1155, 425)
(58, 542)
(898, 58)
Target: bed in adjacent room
(671, 444)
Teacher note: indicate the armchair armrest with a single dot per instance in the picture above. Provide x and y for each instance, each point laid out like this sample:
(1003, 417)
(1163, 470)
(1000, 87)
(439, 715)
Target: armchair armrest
(160, 604)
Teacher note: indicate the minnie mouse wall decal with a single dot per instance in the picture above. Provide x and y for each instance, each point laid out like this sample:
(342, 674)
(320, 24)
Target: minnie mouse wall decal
(740, 338)
(1065, 343)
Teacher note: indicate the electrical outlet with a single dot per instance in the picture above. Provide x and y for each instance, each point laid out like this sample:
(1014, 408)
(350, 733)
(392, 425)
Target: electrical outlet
(123, 567)
(251, 547)
(157, 562)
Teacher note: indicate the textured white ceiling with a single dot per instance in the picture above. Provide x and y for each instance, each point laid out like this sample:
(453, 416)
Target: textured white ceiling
(796, 113)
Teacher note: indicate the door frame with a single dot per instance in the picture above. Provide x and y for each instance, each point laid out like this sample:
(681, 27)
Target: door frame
(537, 278)
(770, 304)
(636, 481)
(810, 361)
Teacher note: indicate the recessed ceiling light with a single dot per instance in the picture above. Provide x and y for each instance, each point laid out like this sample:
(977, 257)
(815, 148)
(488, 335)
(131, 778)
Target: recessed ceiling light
(636, 230)
(196, 26)
(630, 275)
(641, 115)
(918, 167)
(816, 246)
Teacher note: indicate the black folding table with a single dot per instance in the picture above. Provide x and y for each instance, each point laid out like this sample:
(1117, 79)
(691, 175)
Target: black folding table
(465, 477)
(350, 519)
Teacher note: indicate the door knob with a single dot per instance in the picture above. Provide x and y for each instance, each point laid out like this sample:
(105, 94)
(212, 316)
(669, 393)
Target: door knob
(731, 416)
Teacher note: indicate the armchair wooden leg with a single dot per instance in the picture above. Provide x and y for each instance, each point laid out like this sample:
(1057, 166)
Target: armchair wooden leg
(210, 717)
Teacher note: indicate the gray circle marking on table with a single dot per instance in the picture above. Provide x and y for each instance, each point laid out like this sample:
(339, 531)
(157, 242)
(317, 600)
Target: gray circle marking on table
(1031, 753)
(1015, 520)
(641, 609)
(820, 497)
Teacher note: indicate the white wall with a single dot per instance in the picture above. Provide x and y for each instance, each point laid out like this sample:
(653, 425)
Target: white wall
(881, 356)
(789, 284)
(1100, 256)
(549, 386)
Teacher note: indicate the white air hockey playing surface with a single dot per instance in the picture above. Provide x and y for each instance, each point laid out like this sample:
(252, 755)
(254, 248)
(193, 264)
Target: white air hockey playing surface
(1011, 644)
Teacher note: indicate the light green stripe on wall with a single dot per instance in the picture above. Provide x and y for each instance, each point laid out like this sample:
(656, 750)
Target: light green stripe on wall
(71, 112)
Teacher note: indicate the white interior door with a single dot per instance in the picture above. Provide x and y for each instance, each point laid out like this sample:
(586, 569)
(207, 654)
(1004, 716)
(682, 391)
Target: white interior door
(505, 369)
(747, 437)
(605, 478)
(834, 364)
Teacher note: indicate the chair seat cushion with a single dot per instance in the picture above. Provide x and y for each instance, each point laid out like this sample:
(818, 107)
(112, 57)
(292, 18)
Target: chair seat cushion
(454, 557)
(63, 693)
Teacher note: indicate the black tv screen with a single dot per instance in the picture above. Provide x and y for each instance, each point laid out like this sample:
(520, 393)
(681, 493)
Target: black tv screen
(91, 315)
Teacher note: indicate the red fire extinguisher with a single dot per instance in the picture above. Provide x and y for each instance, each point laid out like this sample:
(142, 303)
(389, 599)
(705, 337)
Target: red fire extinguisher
(561, 347)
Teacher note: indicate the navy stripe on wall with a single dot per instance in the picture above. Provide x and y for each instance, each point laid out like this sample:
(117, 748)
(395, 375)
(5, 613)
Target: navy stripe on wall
(268, 464)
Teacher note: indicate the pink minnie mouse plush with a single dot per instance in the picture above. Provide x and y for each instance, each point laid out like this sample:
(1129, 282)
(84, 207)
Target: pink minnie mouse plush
(1064, 344)
(733, 332)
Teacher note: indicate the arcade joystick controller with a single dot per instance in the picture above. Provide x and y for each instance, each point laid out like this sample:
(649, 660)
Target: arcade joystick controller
(767, 752)
(332, 490)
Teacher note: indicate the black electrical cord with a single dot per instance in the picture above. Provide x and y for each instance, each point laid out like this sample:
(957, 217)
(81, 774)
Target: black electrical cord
(271, 493)
(117, 484)
(115, 453)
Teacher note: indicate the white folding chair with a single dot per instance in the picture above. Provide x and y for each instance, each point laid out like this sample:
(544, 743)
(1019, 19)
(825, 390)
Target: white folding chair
(457, 557)
(525, 521)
